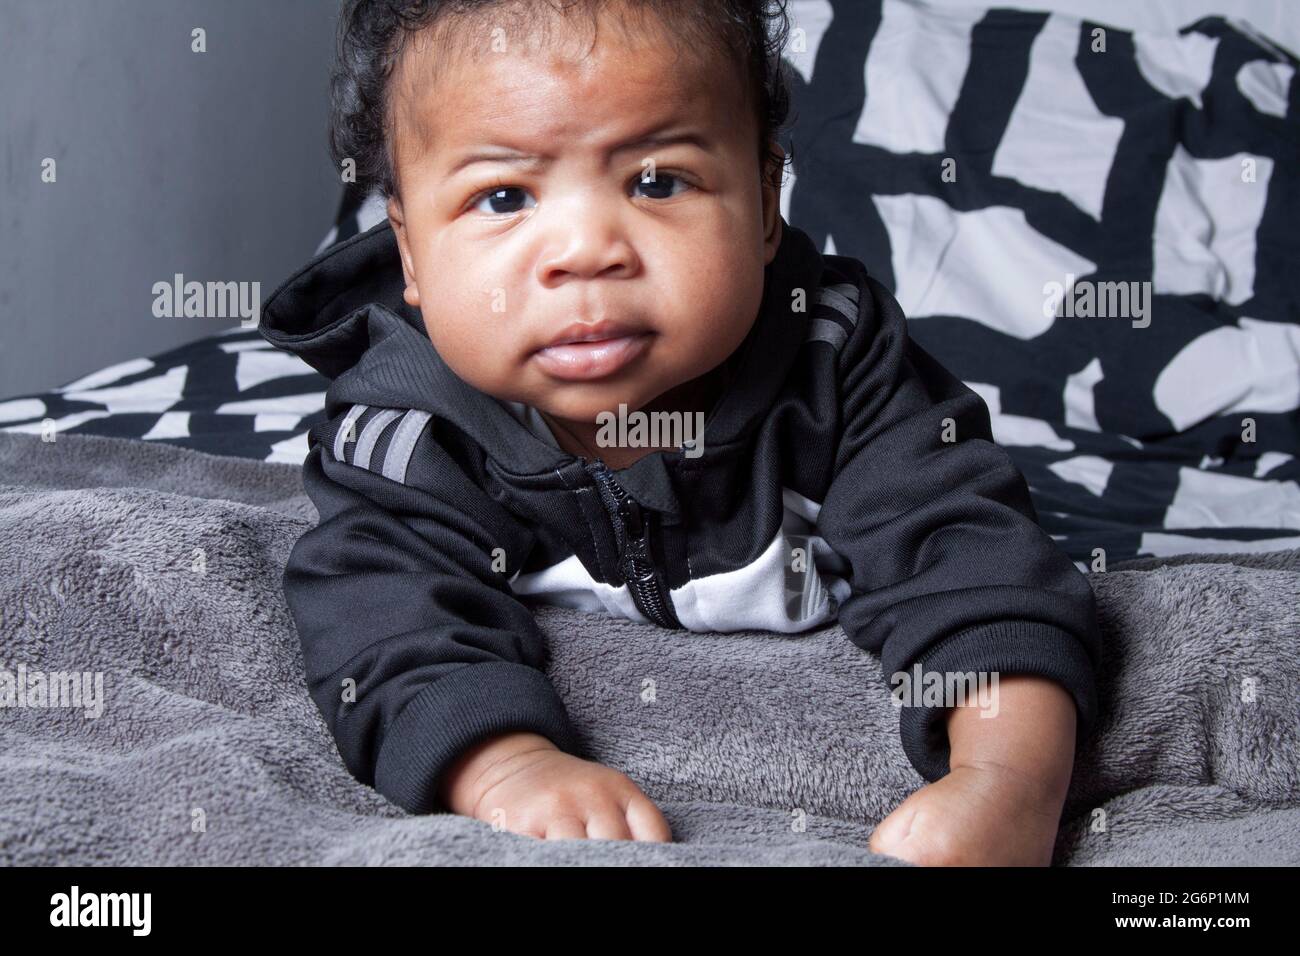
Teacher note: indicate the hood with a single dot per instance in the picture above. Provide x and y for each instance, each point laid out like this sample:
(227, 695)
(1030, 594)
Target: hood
(344, 315)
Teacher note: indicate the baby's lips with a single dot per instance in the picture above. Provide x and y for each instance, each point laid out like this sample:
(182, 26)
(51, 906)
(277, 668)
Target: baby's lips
(586, 331)
(583, 361)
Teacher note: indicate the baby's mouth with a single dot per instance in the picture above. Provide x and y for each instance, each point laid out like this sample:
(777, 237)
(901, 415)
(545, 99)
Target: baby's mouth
(594, 359)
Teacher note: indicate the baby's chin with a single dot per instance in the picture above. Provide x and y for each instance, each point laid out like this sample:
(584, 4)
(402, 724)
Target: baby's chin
(585, 402)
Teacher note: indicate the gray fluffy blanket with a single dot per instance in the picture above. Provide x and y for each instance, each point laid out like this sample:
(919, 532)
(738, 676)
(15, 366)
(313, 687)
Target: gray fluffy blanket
(159, 567)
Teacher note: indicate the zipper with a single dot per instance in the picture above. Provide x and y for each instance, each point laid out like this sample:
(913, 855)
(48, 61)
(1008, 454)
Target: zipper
(635, 557)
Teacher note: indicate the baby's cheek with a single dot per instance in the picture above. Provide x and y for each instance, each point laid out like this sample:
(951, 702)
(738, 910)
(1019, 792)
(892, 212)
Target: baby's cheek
(464, 341)
(732, 305)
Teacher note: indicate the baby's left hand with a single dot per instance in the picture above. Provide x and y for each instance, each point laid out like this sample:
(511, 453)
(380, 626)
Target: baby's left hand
(973, 816)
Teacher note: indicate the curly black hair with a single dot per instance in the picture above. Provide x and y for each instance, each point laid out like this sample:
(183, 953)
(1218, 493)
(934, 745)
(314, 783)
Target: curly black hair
(373, 34)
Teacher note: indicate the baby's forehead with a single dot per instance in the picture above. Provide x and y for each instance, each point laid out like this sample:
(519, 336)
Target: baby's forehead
(473, 76)
(481, 35)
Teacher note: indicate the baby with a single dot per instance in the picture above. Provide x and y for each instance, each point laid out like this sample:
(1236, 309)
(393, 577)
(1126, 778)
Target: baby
(583, 222)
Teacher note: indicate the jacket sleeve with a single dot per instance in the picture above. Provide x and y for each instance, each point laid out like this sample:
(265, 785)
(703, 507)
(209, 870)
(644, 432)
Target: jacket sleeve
(949, 567)
(394, 593)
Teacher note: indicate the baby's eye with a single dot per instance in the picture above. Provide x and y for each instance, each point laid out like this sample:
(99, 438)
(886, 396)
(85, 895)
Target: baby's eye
(661, 186)
(501, 200)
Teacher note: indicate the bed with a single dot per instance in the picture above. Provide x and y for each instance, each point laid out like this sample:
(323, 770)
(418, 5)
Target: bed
(1036, 157)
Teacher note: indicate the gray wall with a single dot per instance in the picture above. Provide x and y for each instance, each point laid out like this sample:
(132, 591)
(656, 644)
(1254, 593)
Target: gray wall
(213, 165)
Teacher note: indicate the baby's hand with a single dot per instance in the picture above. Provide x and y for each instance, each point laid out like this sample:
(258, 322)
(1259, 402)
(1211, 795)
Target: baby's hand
(974, 816)
(538, 790)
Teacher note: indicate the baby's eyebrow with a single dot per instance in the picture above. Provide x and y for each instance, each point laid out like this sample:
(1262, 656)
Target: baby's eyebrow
(507, 154)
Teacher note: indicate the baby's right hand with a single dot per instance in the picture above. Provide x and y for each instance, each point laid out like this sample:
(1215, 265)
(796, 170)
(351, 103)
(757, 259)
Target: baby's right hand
(532, 787)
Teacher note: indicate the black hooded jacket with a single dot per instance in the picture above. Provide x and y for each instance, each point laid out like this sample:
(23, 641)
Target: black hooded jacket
(844, 474)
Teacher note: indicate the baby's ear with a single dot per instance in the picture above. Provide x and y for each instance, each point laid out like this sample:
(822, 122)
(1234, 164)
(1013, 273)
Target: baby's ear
(772, 242)
(412, 292)
(772, 206)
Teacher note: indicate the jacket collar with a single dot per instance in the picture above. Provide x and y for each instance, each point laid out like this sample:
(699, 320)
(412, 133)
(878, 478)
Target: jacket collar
(344, 315)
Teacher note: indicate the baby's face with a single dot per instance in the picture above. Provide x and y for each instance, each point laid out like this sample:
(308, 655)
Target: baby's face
(524, 211)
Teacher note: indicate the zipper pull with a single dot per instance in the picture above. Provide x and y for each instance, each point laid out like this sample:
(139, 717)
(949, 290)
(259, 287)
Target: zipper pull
(632, 517)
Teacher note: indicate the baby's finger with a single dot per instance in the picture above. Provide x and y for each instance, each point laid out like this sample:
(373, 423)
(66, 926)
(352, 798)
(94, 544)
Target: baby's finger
(608, 823)
(567, 827)
(891, 832)
(646, 822)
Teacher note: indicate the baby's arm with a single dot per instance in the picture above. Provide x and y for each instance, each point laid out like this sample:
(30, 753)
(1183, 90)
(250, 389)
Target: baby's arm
(950, 572)
(1029, 737)
(416, 650)
(1001, 803)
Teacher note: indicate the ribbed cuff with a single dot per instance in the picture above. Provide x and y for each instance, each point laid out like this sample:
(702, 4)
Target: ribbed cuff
(1008, 647)
(456, 711)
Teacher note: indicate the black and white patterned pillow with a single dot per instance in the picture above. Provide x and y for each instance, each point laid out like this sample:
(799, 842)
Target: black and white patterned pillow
(358, 211)
(224, 394)
(972, 157)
